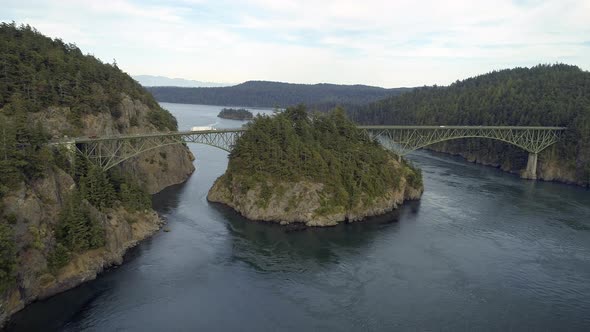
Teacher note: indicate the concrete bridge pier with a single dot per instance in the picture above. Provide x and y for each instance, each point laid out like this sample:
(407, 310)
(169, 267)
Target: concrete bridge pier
(531, 167)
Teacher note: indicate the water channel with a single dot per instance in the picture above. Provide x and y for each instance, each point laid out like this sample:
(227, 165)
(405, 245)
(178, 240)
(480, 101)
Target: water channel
(483, 250)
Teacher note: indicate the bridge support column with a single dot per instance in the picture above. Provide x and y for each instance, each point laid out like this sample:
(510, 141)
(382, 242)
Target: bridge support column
(531, 167)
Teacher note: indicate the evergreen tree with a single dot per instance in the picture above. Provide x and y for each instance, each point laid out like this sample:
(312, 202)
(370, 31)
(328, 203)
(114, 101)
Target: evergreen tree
(134, 198)
(76, 230)
(7, 256)
(97, 189)
(59, 257)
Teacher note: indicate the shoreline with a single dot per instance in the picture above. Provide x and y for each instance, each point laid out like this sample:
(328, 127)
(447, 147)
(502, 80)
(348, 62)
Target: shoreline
(499, 168)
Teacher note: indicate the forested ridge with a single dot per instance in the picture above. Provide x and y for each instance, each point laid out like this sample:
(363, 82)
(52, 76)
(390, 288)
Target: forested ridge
(37, 72)
(275, 94)
(544, 95)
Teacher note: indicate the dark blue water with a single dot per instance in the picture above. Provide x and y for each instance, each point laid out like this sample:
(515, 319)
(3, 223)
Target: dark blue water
(483, 250)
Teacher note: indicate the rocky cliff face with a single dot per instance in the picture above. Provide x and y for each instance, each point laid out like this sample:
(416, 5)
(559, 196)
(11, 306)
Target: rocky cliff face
(36, 210)
(34, 207)
(303, 201)
(156, 169)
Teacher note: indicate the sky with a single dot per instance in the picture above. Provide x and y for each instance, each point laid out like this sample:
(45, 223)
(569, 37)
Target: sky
(384, 43)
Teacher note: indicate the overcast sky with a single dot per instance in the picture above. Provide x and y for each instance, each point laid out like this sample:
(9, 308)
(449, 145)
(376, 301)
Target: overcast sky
(386, 43)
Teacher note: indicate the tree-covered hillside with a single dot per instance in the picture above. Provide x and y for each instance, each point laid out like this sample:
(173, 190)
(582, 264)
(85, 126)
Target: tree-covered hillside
(38, 72)
(545, 95)
(274, 94)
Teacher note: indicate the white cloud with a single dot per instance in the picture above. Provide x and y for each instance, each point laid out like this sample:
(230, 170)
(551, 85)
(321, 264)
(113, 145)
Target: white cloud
(390, 43)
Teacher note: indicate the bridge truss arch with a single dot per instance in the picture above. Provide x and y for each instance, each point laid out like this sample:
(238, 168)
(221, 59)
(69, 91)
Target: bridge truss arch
(405, 139)
(111, 151)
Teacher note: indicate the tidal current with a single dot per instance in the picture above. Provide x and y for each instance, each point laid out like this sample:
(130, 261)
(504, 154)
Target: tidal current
(483, 250)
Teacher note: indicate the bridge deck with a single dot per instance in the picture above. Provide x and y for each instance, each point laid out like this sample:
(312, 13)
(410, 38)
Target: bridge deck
(108, 151)
(86, 139)
(464, 127)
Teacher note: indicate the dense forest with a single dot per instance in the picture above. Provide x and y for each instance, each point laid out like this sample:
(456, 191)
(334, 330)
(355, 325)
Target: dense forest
(544, 95)
(275, 94)
(324, 148)
(235, 114)
(37, 72)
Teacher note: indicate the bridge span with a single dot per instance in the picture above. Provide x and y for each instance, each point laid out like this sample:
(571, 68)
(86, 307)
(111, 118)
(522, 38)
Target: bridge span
(109, 151)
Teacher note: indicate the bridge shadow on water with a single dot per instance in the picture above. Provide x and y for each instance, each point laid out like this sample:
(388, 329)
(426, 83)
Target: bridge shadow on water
(268, 247)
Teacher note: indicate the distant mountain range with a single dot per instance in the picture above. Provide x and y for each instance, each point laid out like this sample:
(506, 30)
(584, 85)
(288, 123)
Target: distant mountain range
(274, 94)
(149, 80)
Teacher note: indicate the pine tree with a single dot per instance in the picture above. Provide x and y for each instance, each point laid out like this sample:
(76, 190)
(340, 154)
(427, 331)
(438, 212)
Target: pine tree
(77, 231)
(97, 189)
(7, 256)
(72, 227)
(59, 257)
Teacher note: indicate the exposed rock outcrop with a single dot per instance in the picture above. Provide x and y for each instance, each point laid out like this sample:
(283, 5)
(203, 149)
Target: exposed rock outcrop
(156, 169)
(36, 209)
(304, 201)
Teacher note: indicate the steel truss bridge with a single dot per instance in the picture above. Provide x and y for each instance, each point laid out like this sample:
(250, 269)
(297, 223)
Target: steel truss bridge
(110, 151)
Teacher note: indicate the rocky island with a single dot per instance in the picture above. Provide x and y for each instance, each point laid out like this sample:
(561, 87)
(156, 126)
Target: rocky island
(235, 114)
(316, 169)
